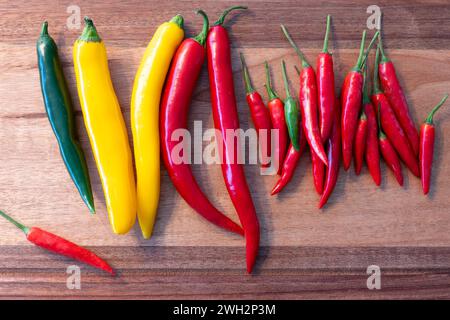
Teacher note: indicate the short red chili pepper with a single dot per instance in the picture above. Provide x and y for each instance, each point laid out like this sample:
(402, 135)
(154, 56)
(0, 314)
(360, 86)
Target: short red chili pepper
(389, 154)
(225, 116)
(360, 142)
(183, 74)
(276, 109)
(427, 135)
(325, 87)
(394, 93)
(259, 113)
(391, 126)
(334, 155)
(308, 103)
(56, 244)
(351, 98)
(372, 151)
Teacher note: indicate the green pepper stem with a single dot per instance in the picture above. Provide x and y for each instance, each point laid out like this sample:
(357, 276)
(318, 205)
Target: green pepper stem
(201, 37)
(376, 78)
(221, 19)
(366, 98)
(429, 119)
(90, 32)
(14, 222)
(372, 42)
(248, 84)
(44, 29)
(300, 54)
(361, 49)
(285, 79)
(384, 58)
(270, 92)
(178, 20)
(327, 34)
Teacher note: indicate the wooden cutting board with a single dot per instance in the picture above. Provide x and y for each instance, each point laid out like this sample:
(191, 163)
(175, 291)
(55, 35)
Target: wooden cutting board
(306, 252)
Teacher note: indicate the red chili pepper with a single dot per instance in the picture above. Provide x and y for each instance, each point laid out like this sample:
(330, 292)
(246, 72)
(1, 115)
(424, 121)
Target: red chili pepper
(360, 142)
(334, 154)
(260, 114)
(276, 109)
(391, 126)
(181, 80)
(351, 97)
(308, 103)
(394, 93)
(290, 163)
(325, 87)
(372, 152)
(226, 117)
(427, 132)
(56, 244)
(389, 154)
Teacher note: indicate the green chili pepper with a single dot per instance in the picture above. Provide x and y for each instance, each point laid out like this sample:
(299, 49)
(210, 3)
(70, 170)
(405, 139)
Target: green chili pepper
(58, 106)
(291, 111)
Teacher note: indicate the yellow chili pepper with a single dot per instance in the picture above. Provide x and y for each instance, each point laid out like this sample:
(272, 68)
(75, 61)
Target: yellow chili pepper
(106, 128)
(145, 98)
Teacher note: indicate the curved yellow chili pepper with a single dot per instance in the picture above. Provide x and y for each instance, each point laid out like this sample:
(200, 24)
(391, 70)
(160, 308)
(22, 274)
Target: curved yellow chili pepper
(145, 98)
(106, 128)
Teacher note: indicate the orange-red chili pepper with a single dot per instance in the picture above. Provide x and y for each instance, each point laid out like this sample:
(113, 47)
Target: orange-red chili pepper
(360, 142)
(61, 246)
(427, 136)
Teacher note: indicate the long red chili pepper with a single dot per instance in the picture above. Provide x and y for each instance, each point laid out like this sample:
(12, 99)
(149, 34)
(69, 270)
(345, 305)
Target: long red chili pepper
(391, 126)
(56, 244)
(427, 133)
(308, 103)
(334, 155)
(325, 87)
(226, 117)
(360, 141)
(389, 154)
(181, 80)
(372, 152)
(351, 102)
(276, 109)
(394, 93)
(259, 113)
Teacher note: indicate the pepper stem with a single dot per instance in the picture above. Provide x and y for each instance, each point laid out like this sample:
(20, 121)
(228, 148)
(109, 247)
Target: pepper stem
(429, 119)
(285, 79)
(178, 20)
(327, 33)
(90, 32)
(14, 222)
(376, 78)
(372, 42)
(366, 98)
(44, 29)
(201, 37)
(270, 92)
(300, 54)
(361, 49)
(248, 84)
(221, 19)
(384, 58)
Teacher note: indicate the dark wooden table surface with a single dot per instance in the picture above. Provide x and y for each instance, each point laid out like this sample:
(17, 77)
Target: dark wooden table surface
(306, 253)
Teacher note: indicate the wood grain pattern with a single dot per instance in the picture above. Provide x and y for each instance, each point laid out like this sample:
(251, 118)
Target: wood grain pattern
(398, 227)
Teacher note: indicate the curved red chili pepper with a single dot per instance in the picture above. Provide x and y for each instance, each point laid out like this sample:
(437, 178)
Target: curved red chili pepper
(334, 155)
(259, 113)
(318, 172)
(226, 117)
(325, 87)
(276, 109)
(427, 134)
(308, 103)
(360, 142)
(394, 93)
(180, 83)
(391, 126)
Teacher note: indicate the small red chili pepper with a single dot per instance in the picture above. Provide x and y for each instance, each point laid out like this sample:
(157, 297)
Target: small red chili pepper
(360, 142)
(318, 172)
(259, 113)
(394, 93)
(308, 103)
(391, 126)
(226, 118)
(276, 109)
(325, 87)
(334, 155)
(372, 153)
(182, 77)
(389, 154)
(427, 133)
(351, 98)
(56, 244)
